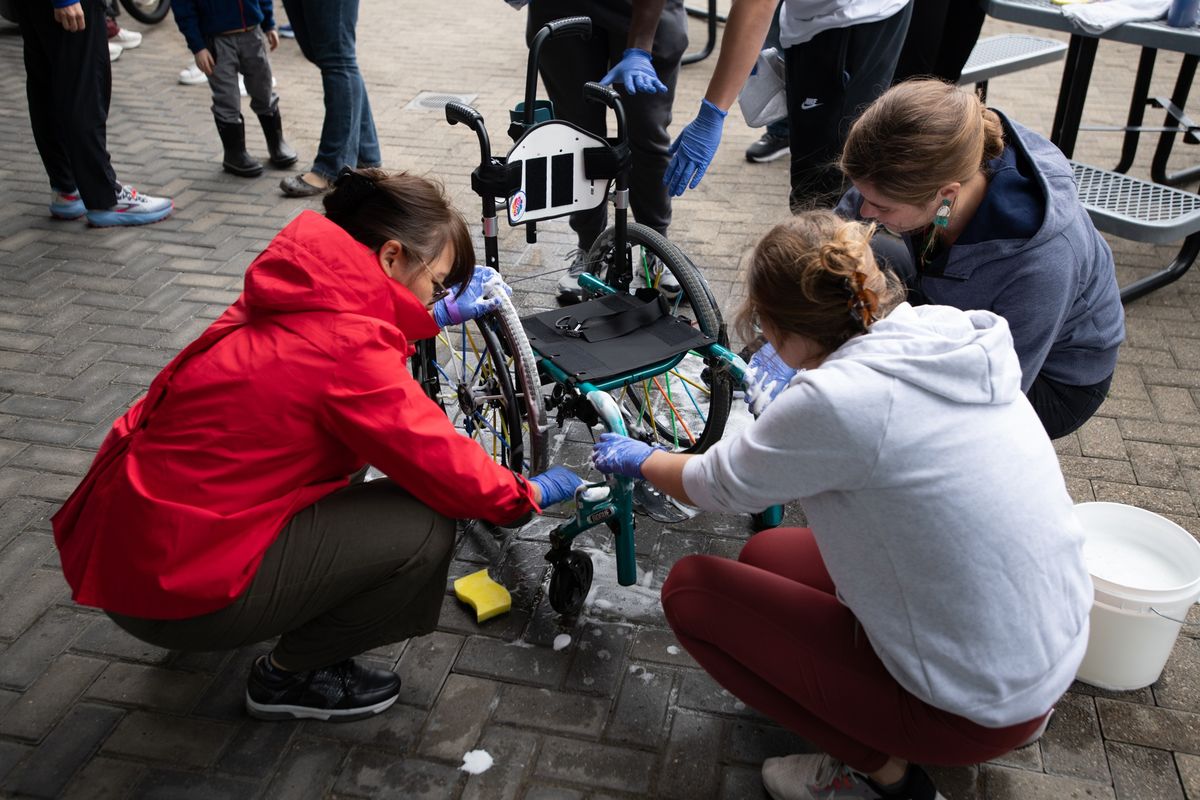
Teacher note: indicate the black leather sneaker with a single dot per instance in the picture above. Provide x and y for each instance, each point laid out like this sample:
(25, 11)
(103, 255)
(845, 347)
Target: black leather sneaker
(342, 692)
(768, 148)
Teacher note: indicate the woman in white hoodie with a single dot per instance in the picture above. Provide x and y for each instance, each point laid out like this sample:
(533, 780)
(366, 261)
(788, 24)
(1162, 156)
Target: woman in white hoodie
(938, 605)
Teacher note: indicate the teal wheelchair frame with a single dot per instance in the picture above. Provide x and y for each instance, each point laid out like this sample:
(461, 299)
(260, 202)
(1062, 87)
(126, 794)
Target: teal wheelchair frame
(499, 396)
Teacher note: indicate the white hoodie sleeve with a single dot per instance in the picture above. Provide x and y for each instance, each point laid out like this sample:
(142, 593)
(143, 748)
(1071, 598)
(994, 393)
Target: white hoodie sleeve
(807, 442)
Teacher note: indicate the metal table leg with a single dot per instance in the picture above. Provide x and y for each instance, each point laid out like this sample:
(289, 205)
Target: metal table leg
(713, 18)
(1177, 123)
(1137, 108)
(1072, 92)
(1181, 264)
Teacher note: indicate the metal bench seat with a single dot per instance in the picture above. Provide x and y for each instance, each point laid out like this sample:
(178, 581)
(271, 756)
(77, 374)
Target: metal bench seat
(1011, 52)
(1142, 212)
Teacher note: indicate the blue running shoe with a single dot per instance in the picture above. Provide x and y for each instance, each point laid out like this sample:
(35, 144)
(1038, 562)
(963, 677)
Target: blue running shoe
(286, 32)
(66, 205)
(132, 208)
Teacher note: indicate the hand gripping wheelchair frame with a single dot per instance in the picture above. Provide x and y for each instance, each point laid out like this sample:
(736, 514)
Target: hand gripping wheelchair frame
(641, 360)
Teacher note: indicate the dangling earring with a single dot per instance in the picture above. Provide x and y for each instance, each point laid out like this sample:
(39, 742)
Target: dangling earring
(941, 217)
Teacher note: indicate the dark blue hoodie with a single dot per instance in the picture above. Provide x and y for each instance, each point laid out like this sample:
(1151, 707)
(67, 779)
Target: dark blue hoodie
(198, 20)
(1032, 255)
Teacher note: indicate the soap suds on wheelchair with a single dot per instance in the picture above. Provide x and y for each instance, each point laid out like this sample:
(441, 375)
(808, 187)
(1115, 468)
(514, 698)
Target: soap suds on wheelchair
(635, 603)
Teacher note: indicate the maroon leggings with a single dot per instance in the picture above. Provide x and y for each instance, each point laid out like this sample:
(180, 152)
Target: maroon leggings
(769, 629)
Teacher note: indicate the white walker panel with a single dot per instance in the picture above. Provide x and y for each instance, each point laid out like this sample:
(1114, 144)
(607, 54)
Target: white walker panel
(552, 179)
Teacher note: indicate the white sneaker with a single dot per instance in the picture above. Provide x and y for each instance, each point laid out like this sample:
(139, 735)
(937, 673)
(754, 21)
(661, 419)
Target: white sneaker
(132, 208)
(659, 277)
(192, 76)
(114, 51)
(127, 39)
(816, 776)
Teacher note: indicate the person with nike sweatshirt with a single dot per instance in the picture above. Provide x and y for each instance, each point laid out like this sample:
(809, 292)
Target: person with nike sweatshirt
(988, 218)
(937, 607)
(839, 56)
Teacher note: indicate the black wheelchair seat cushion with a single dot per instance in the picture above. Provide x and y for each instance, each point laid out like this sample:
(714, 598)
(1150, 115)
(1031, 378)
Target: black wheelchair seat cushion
(551, 334)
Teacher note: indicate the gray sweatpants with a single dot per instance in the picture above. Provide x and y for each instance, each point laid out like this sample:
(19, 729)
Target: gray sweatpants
(363, 567)
(244, 52)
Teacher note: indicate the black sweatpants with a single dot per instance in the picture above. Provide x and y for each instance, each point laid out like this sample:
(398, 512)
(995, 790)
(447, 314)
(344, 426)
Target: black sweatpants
(364, 567)
(940, 39)
(830, 79)
(568, 63)
(69, 84)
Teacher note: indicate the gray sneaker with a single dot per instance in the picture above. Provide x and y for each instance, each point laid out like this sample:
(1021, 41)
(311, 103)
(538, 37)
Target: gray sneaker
(816, 776)
(659, 277)
(569, 290)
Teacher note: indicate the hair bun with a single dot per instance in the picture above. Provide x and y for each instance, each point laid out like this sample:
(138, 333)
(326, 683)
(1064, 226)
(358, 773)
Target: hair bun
(351, 189)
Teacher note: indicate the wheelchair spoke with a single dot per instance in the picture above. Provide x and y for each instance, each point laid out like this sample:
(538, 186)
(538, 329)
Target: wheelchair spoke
(675, 415)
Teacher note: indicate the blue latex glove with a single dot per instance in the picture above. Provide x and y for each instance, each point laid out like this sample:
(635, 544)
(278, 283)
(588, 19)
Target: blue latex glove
(469, 301)
(767, 378)
(636, 72)
(693, 150)
(556, 484)
(619, 454)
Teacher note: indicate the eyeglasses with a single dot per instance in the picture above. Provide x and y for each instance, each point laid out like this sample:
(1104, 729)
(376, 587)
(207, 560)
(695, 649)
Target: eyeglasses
(440, 292)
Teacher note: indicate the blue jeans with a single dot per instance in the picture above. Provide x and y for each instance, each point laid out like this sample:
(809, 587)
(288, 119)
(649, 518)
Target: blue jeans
(325, 32)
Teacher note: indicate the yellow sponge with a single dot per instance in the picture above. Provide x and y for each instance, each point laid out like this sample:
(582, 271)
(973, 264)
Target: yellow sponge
(480, 592)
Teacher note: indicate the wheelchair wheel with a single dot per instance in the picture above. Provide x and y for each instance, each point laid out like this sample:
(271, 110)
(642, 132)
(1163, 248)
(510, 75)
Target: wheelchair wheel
(685, 408)
(484, 377)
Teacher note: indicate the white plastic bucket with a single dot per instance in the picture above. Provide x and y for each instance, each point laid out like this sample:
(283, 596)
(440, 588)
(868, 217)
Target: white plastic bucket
(1146, 570)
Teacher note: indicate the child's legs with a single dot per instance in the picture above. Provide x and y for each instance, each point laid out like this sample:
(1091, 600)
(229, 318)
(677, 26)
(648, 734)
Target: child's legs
(795, 653)
(227, 100)
(256, 68)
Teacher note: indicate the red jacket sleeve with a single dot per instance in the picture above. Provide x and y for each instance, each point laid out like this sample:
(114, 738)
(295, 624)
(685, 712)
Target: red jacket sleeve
(379, 411)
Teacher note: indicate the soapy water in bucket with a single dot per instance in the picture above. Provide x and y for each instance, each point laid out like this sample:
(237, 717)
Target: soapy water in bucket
(1146, 573)
(1121, 559)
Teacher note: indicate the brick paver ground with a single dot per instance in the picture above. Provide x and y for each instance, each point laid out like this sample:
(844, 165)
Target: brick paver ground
(88, 316)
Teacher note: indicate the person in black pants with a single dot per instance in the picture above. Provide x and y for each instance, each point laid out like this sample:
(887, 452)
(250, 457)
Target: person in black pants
(941, 36)
(69, 85)
(839, 56)
(567, 64)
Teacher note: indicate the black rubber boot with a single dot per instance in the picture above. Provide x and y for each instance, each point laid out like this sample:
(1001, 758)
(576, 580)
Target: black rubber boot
(282, 154)
(237, 160)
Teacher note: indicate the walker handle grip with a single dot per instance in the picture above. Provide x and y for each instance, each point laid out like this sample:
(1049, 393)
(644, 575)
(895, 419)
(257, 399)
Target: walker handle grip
(457, 112)
(568, 26)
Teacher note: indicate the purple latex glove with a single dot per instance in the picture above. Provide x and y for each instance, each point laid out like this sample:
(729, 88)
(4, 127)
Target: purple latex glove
(621, 455)
(556, 484)
(693, 150)
(768, 377)
(637, 73)
(473, 299)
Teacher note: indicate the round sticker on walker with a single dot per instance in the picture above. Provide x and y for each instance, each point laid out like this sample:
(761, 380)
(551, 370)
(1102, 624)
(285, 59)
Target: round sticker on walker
(516, 206)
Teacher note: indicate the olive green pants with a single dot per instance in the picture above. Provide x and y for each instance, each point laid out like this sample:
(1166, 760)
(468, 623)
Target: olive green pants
(363, 567)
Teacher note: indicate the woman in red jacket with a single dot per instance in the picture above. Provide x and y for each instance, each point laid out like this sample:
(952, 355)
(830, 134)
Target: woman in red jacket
(218, 512)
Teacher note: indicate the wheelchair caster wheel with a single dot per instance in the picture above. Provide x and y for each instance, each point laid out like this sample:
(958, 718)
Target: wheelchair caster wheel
(570, 581)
